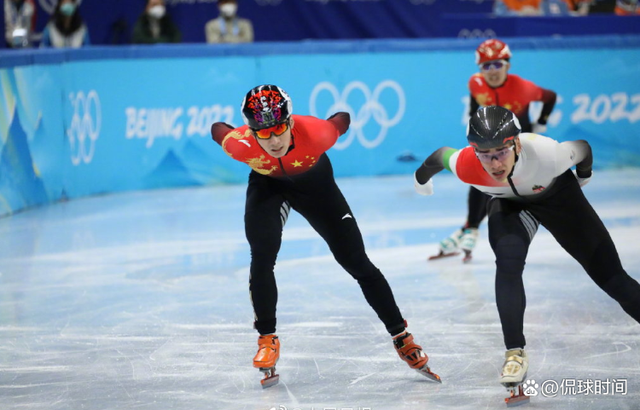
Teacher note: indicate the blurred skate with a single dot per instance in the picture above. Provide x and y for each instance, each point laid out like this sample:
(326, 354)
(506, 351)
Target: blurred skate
(442, 255)
(514, 371)
(449, 246)
(468, 243)
(266, 358)
(413, 354)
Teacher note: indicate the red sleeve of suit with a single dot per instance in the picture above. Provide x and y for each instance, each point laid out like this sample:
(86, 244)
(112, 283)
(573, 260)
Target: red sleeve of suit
(311, 137)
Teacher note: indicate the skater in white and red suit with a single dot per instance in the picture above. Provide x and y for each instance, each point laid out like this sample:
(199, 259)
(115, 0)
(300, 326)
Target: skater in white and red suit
(530, 180)
(290, 169)
(494, 85)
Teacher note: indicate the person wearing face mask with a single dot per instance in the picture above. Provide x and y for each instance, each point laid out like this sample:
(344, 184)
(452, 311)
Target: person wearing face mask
(155, 25)
(493, 85)
(19, 22)
(66, 28)
(228, 27)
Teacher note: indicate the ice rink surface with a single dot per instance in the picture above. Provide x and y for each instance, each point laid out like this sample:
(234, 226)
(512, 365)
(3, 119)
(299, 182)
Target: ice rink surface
(140, 301)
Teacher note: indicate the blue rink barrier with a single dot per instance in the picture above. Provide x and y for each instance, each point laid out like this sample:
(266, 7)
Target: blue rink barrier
(106, 119)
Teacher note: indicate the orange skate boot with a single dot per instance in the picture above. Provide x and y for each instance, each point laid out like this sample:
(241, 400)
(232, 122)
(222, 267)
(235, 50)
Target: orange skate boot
(413, 354)
(266, 359)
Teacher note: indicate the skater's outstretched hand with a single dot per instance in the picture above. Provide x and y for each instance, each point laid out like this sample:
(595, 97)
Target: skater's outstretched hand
(423, 189)
(583, 181)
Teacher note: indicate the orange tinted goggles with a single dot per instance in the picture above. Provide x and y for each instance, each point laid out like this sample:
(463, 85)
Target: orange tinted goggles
(266, 132)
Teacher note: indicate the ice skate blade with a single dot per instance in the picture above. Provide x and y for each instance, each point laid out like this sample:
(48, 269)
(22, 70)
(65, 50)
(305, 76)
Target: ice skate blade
(426, 372)
(516, 395)
(270, 381)
(442, 255)
(467, 257)
(516, 401)
(270, 377)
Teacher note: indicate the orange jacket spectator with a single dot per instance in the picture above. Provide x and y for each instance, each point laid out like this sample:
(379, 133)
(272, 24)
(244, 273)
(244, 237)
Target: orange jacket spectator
(627, 8)
(517, 7)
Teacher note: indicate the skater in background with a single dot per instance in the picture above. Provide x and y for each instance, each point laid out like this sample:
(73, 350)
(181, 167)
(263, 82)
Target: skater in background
(493, 85)
(290, 169)
(530, 179)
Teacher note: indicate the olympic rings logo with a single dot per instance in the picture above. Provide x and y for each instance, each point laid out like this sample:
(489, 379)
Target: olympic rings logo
(50, 5)
(85, 126)
(370, 109)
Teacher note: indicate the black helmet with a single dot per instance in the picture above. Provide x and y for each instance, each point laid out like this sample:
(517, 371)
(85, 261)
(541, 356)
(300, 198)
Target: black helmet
(265, 106)
(492, 127)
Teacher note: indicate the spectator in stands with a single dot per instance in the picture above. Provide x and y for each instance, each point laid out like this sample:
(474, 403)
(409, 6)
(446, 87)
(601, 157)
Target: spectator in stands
(19, 22)
(565, 7)
(66, 28)
(579, 7)
(542, 7)
(517, 7)
(155, 25)
(627, 8)
(228, 27)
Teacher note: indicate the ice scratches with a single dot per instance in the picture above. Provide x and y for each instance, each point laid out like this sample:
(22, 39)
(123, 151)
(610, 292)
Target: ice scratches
(242, 386)
(64, 383)
(373, 227)
(34, 369)
(315, 324)
(317, 367)
(627, 348)
(292, 397)
(220, 326)
(19, 329)
(359, 379)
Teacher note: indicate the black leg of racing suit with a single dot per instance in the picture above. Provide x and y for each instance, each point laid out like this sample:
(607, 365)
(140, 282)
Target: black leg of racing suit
(318, 199)
(476, 208)
(573, 222)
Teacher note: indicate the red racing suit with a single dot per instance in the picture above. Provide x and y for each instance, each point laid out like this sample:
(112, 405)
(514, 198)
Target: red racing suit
(515, 94)
(311, 137)
(302, 179)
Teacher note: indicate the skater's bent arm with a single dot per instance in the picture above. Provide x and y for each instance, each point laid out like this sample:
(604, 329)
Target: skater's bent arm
(473, 105)
(341, 121)
(219, 130)
(435, 163)
(582, 156)
(548, 102)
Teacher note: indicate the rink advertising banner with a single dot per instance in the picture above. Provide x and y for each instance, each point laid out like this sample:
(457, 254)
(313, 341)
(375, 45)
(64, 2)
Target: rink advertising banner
(83, 122)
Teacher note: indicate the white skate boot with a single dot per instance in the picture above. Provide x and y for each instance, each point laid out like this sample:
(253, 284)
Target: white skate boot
(514, 371)
(449, 246)
(468, 242)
